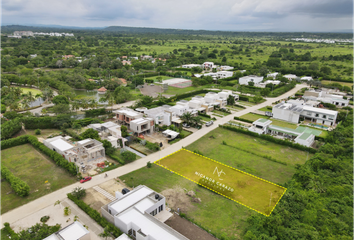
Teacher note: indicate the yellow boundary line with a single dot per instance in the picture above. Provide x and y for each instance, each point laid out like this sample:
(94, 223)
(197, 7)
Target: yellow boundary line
(219, 192)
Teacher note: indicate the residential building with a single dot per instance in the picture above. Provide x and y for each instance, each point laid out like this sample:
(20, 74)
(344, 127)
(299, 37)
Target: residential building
(216, 75)
(68, 56)
(225, 68)
(74, 231)
(169, 134)
(292, 113)
(272, 75)
(179, 110)
(208, 65)
(306, 78)
(224, 95)
(326, 97)
(142, 126)
(126, 62)
(33, 55)
(23, 33)
(146, 57)
(161, 115)
(125, 115)
(109, 131)
(290, 77)
(102, 90)
(260, 126)
(192, 65)
(202, 105)
(214, 99)
(251, 78)
(81, 152)
(141, 214)
(264, 84)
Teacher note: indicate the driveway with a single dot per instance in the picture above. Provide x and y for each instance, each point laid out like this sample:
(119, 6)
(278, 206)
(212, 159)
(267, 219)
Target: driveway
(49, 199)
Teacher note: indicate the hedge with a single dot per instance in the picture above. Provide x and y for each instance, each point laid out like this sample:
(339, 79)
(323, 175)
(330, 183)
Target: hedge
(243, 98)
(114, 157)
(95, 215)
(56, 157)
(270, 139)
(10, 128)
(240, 106)
(20, 187)
(203, 115)
(243, 119)
(96, 112)
(38, 122)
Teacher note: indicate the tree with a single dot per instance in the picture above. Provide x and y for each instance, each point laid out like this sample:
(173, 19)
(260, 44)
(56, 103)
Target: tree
(105, 234)
(230, 100)
(186, 117)
(224, 59)
(274, 62)
(257, 98)
(61, 109)
(128, 156)
(60, 99)
(67, 211)
(90, 133)
(76, 126)
(326, 70)
(79, 192)
(196, 121)
(251, 83)
(122, 94)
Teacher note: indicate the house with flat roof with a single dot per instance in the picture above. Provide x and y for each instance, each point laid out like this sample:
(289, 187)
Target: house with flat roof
(142, 126)
(108, 131)
(272, 75)
(161, 115)
(260, 126)
(74, 231)
(290, 76)
(192, 65)
(225, 68)
(251, 78)
(125, 115)
(326, 97)
(208, 65)
(141, 214)
(306, 78)
(292, 113)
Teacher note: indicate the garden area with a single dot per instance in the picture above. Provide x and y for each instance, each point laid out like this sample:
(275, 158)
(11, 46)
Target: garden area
(32, 167)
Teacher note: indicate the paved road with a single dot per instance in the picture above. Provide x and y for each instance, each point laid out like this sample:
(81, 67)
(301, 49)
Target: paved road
(40, 203)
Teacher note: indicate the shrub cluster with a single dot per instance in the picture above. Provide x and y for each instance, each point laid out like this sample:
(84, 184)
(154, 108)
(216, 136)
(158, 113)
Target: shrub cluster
(20, 187)
(10, 128)
(96, 112)
(116, 232)
(243, 119)
(203, 115)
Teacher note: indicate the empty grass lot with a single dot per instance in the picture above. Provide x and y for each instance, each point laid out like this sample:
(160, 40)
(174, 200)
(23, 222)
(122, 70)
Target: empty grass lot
(162, 78)
(248, 190)
(216, 213)
(175, 90)
(348, 84)
(253, 163)
(33, 168)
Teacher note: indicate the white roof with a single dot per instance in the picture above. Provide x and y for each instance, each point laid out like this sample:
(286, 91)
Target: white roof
(139, 120)
(129, 112)
(148, 227)
(74, 231)
(130, 199)
(110, 124)
(290, 76)
(52, 237)
(61, 145)
(144, 204)
(170, 132)
(177, 107)
(84, 141)
(123, 237)
(320, 110)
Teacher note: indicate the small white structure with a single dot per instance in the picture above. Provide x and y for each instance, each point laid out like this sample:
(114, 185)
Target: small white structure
(142, 125)
(179, 110)
(225, 68)
(208, 65)
(74, 231)
(169, 134)
(272, 75)
(137, 212)
(260, 126)
(264, 84)
(305, 139)
(306, 78)
(224, 95)
(290, 76)
(251, 78)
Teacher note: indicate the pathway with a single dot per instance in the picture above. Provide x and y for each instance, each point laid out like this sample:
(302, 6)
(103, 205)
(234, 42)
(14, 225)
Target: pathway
(51, 198)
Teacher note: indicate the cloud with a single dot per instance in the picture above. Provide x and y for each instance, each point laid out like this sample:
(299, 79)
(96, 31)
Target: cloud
(186, 14)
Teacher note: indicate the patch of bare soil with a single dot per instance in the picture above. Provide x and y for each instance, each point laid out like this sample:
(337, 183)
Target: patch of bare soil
(112, 186)
(188, 229)
(95, 199)
(177, 198)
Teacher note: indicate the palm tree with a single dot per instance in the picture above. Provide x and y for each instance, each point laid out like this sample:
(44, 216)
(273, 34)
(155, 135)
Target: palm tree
(196, 121)
(17, 91)
(14, 106)
(93, 103)
(84, 104)
(187, 117)
(75, 105)
(25, 103)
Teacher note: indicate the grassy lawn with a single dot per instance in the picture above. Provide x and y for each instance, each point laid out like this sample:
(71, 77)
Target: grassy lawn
(141, 148)
(186, 133)
(265, 109)
(221, 113)
(211, 146)
(239, 186)
(250, 104)
(162, 77)
(341, 83)
(234, 108)
(44, 132)
(33, 168)
(34, 91)
(216, 213)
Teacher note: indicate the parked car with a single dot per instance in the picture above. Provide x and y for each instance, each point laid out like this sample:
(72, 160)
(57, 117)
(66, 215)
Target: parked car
(125, 191)
(85, 179)
(209, 123)
(186, 125)
(152, 84)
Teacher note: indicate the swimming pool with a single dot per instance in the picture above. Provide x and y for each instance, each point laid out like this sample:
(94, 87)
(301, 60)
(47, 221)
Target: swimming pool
(318, 126)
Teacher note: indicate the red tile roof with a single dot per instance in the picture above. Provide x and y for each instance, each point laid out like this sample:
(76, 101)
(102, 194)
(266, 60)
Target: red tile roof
(102, 89)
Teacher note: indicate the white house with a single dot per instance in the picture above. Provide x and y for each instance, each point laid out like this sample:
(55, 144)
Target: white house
(161, 115)
(225, 68)
(306, 78)
(260, 126)
(169, 134)
(292, 113)
(251, 78)
(108, 131)
(302, 136)
(264, 84)
(141, 213)
(142, 125)
(326, 97)
(272, 75)
(224, 95)
(179, 110)
(208, 65)
(216, 75)
(290, 76)
(74, 231)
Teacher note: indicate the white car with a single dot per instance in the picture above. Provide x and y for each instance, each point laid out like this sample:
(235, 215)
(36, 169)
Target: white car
(209, 123)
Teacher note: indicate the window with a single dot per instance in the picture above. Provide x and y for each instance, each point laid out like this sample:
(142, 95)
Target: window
(316, 115)
(110, 212)
(324, 116)
(160, 208)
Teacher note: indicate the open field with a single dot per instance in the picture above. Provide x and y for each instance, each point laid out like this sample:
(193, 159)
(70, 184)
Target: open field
(44, 132)
(216, 213)
(42, 175)
(234, 154)
(341, 83)
(239, 186)
(162, 78)
(174, 90)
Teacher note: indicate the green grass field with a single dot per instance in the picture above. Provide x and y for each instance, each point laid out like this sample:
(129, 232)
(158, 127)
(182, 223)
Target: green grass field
(174, 90)
(234, 184)
(162, 77)
(253, 163)
(33, 168)
(34, 91)
(220, 215)
(341, 83)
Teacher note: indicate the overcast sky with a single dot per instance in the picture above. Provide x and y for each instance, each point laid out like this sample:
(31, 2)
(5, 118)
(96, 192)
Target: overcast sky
(235, 15)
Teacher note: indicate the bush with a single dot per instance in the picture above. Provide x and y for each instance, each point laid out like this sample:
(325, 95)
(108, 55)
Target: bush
(12, 142)
(79, 192)
(243, 119)
(90, 133)
(3, 108)
(152, 146)
(203, 115)
(37, 132)
(114, 157)
(116, 232)
(128, 156)
(44, 219)
(148, 164)
(20, 187)
(10, 128)
(96, 112)
(38, 122)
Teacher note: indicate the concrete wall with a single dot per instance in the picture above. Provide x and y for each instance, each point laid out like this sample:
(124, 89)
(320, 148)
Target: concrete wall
(106, 214)
(286, 115)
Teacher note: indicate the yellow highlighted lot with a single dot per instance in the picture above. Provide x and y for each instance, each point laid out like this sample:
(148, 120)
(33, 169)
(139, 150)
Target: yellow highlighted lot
(255, 193)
